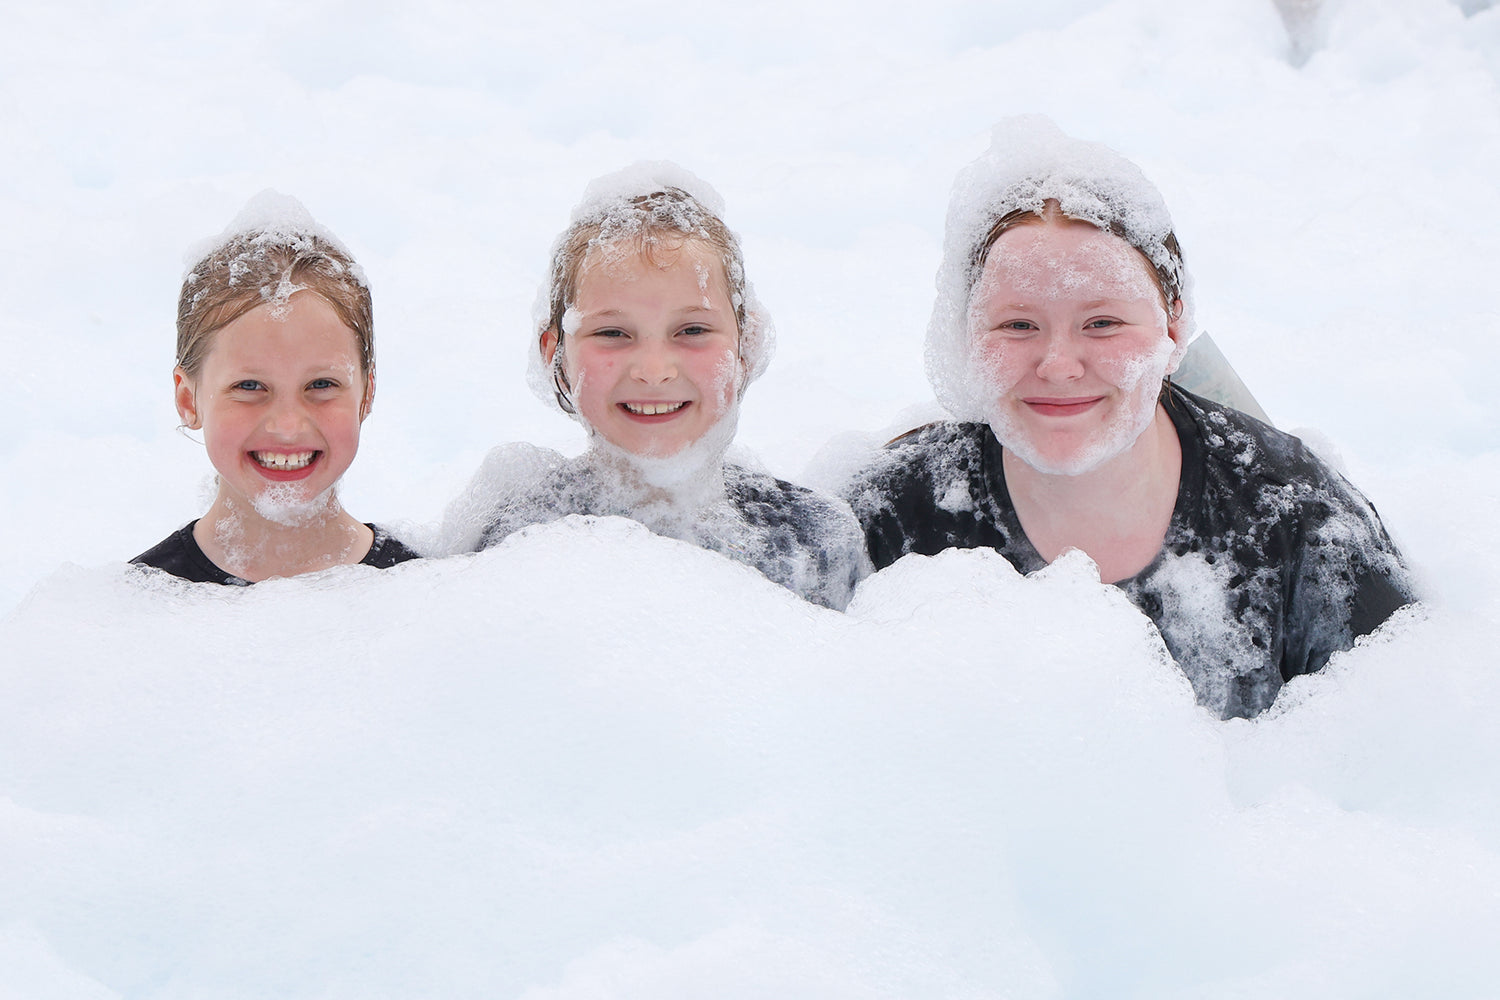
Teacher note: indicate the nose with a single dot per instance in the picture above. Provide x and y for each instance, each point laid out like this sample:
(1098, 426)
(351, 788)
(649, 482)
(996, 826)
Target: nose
(1062, 359)
(653, 362)
(285, 417)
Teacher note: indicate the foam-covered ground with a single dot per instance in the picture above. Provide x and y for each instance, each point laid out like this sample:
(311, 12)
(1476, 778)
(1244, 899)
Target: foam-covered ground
(596, 763)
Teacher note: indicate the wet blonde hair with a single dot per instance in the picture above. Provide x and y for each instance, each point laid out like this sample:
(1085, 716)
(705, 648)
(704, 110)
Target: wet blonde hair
(661, 221)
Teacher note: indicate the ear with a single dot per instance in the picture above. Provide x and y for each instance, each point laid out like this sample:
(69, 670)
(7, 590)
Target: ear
(743, 380)
(548, 346)
(369, 400)
(1177, 330)
(185, 395)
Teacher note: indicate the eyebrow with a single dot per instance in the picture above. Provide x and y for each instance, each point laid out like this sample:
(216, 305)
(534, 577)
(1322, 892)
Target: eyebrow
(692, 310)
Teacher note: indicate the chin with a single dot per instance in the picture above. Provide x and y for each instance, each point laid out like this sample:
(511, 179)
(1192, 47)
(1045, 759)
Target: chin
(1076, 458)
(1075, 463)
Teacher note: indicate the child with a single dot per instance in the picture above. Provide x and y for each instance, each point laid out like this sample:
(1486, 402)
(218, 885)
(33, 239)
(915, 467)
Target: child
(1063, 304)
(648, 335)
(276, 365)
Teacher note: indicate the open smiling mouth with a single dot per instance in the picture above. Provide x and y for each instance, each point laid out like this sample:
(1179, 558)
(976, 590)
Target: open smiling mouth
(653, 409)
(284, 461)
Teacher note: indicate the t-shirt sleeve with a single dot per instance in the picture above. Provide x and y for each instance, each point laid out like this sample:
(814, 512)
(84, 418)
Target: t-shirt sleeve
(882, 533)
(1348, 578)
(842, 557)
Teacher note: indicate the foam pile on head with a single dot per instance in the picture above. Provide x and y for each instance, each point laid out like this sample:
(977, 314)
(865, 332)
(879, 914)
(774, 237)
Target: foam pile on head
(1029, 163)
(273, 249)
(633, 211)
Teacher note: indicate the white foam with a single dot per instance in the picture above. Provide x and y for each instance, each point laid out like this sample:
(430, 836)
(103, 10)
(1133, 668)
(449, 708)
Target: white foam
(1029, 162)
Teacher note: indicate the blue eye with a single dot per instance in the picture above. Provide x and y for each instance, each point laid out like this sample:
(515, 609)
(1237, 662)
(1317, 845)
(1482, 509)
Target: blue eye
(322, 383)
(1101, 324)
(609, 331)
(247, 385)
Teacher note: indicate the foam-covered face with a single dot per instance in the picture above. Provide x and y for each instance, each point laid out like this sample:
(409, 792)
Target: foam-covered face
(280, 399)
(651, 349)
(1070, 342)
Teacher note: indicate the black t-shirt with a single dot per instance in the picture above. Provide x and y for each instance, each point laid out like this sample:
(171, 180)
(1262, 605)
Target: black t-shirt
(1272, 561)
(180, 555)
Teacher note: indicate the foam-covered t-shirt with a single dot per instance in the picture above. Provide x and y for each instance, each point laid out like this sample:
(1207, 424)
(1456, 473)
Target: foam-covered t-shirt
(807, 542)
(1272, 561)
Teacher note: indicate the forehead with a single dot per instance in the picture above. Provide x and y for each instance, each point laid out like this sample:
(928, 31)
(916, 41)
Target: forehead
(1063, 257)
(629, 256)
(631, 267)
(304, 329)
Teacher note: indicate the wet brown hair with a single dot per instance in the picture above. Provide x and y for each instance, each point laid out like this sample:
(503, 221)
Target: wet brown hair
(264, 266)
(1169, 278)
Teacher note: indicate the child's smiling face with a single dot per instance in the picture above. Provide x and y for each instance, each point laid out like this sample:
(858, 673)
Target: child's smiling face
(653, 360)
(1071, 338)
(280, 398)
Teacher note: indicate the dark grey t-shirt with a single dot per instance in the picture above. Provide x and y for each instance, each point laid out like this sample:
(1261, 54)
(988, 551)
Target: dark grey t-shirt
(1272, 561)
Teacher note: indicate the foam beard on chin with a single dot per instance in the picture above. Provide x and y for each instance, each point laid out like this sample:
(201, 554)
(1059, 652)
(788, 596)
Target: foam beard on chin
(286, 505)
(694, 473)
(1139, 386)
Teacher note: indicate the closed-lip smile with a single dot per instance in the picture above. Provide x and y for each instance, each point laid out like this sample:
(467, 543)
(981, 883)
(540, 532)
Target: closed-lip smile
(1061, 406)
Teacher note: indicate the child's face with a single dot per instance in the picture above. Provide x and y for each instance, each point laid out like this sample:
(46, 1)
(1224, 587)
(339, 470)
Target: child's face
(280, 399)
(654, 361)
(1071, 338)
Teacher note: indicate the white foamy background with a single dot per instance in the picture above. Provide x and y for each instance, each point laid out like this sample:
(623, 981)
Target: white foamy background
(593, 763)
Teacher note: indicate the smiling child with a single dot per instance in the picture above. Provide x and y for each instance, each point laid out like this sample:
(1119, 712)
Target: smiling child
(276, 366)
(1063, 305)
(648, 334)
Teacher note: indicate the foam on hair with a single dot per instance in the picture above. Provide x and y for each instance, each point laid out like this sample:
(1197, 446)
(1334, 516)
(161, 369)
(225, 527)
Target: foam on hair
(645, 206)
(272, 250)
(1029, 163)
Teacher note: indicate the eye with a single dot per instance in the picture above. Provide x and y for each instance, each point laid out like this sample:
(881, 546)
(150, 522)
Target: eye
(1102, 324)
(323, 383)
(610, 333)
(247, 385)
(1016, 328)
(695, 330)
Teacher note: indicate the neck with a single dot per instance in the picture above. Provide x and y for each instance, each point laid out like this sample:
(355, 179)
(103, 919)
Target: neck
(1117, 513)
(692, 477)
(241, 540)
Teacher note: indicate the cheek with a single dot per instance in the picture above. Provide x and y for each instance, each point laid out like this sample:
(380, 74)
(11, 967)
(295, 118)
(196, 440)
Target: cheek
(718, 377)
(350, 421)
(588, 370)
(1137, 365)
(998, 364)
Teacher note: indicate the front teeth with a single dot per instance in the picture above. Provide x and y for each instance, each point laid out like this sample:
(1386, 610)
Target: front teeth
(653, 409)
(284, 461)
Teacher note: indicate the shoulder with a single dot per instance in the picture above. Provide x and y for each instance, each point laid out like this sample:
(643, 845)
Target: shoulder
(1241, 447)
(768, 499)
(921, 475)
(387, 550)
(180, 555)
(934, 453)
(498, 494)
(807, 541)
(1257, 475)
